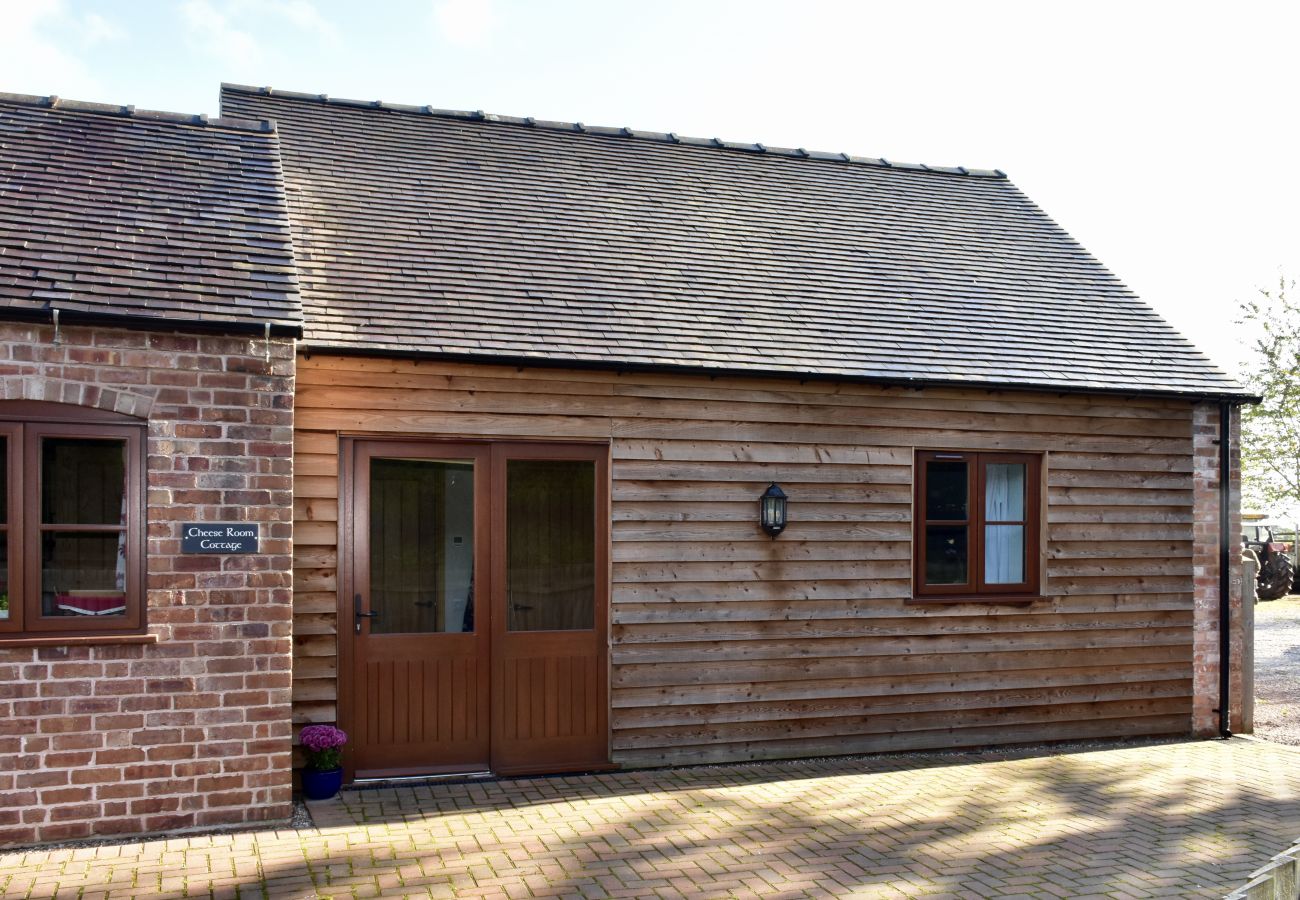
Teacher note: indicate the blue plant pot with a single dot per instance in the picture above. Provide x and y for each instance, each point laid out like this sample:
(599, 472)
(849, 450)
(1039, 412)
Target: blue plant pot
(318, 785)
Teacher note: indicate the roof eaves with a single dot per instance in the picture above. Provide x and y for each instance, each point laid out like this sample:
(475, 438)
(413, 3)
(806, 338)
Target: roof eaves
(276, 326)
(1230, 393)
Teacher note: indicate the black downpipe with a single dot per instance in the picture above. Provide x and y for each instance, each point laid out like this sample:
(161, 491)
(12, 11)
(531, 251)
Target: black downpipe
(1225, 569)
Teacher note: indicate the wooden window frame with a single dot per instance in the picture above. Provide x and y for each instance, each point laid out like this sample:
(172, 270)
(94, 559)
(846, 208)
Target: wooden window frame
(975, 588)
(24, 425)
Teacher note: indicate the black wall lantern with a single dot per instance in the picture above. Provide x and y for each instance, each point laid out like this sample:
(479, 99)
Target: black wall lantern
(771, 510)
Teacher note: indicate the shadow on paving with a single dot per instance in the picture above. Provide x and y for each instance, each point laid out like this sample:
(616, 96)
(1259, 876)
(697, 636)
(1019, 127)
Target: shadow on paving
(996, 824)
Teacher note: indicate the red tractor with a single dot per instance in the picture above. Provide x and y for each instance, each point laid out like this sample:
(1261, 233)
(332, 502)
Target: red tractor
(1275, 546)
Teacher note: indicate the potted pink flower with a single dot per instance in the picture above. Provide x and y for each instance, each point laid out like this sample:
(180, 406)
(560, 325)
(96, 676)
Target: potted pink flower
(323, 775)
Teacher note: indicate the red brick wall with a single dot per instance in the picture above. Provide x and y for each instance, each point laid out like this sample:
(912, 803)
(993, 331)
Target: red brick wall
(1205, 645)
(194, 729)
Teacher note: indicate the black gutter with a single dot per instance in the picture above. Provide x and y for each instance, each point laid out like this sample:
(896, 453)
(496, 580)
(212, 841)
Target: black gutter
(308, 349)
(241, 327)
(1225, 571)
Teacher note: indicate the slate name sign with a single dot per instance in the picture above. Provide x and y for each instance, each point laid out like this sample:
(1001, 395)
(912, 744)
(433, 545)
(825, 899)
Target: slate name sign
(219, 537)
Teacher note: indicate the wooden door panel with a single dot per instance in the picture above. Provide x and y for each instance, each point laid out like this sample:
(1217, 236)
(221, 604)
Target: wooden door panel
(419, 660)
(552, 698)
(422, 715)
(498, 660)
(550, 572)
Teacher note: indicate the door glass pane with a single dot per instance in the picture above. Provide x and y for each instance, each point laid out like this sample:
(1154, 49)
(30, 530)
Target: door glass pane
(1004, 554)
(945, 489)
(550, 544)
(421, 545)
(1004, 492)
(83, 481)
(4, 479)
(83, 573)
(945, 554)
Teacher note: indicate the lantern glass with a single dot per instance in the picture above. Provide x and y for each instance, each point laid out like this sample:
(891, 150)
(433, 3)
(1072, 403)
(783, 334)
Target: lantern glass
(771, 510)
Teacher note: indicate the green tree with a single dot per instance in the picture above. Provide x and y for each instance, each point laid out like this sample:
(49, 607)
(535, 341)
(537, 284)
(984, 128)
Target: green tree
(1270, 431)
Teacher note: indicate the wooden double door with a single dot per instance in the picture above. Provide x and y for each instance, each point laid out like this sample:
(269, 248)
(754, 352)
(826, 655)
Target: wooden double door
(476, 636)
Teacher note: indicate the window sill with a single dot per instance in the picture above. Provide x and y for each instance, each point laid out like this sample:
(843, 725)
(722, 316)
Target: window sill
(75, 640)
(985, 599)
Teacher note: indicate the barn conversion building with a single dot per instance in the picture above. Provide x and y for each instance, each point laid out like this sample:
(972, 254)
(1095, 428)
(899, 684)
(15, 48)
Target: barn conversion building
(474, 414)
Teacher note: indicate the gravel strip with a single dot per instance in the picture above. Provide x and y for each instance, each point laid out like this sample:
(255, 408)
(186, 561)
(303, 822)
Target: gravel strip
(1277, 670)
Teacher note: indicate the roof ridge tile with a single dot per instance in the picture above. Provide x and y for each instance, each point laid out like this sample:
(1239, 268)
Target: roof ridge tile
(611, 131)
(201, 120)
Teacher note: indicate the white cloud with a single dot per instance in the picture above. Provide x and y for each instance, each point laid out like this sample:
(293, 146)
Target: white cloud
(212, 26)
(33, 49)
(306, 16)
(213, 32)
(468, 23)
(95, 29)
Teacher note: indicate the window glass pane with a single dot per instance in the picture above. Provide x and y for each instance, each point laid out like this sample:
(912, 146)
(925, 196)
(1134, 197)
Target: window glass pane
(945, 554)
(945, 489)
(4, 574)
(4, 478)
(1004, 554)
(550, 544)
(83, 481)
(1004, 492)
(421, 546)
(83, 574)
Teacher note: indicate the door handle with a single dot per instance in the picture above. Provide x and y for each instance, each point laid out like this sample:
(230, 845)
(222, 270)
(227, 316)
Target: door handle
(356, 611)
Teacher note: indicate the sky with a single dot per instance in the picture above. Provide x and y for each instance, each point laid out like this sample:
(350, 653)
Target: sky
(1159, 134)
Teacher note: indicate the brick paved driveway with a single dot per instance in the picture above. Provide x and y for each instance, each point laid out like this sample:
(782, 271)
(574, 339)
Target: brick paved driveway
(1177, 820)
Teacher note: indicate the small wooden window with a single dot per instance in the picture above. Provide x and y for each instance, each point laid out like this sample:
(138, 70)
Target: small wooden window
(71, 522)
(977, 523)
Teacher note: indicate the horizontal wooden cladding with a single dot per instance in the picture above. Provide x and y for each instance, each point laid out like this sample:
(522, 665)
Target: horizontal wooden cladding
(1044, 681)
(723, 473)
(579, 426)
(744, 511)
(741, 530)
(728, 645)
(878, 567)
(315, 573)
(709, 652)
(943, 737)
(1152, 702)
(746, 671)
(744, 492)
(749, 551)
(434, 376)
(874, 588)
(866, 627)
(910, 712)
(1122, 539)
(857, 608)
(771, 570)
(770, 454)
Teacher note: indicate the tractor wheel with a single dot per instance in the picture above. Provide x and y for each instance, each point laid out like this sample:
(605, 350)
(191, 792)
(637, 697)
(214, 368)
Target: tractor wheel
(1275, 577)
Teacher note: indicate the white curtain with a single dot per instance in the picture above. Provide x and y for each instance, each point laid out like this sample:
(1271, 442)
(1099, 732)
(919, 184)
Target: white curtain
(1004, 545)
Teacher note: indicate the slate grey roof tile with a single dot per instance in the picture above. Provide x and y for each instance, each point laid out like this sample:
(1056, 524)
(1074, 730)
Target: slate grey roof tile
(464, 234)
(142, 215)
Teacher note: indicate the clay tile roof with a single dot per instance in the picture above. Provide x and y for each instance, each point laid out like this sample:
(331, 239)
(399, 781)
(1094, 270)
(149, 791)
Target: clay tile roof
(476, 236)
(110, 212)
